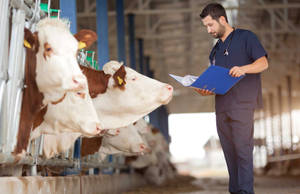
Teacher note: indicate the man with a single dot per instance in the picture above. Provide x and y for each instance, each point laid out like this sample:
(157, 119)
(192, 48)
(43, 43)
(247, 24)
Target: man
(241, 52)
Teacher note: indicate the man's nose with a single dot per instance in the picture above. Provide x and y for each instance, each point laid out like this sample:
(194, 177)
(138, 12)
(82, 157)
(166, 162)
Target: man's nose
(209, 30)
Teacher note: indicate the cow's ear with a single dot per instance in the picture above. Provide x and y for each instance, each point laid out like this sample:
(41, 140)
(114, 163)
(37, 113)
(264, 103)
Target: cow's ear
(31, 40)
(119, 77)
(85, 38)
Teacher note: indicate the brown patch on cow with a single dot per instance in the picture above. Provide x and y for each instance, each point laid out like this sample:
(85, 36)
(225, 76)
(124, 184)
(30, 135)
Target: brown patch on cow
(59, 100)
(90, 145)
(32, 39)
(31, 104)
(39, 117)
(97, 80)
(86, 36)
(47, 50)
(129, 159)
(119, 77)
(155, 130)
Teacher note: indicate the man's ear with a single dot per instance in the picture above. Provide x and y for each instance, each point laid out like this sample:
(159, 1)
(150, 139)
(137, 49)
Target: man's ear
(222, 20)
(31, 40)
(85, 38)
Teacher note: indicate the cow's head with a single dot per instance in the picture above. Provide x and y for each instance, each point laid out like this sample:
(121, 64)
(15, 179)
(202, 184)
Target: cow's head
(128, 142)
(129, 96)
(75, 113)
(57, 70)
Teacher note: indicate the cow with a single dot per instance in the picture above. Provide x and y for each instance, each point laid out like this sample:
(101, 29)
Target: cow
(121, 96)
(128, 142)
(75, 113)
(51, 71)
(129, 96)
(92, 145)
(57, 70)
(155, 166)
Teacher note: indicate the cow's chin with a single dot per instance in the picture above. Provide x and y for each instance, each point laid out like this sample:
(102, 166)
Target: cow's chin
(169, 98)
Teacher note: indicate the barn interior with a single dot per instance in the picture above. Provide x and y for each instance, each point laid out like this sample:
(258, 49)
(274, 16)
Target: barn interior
(162, 37)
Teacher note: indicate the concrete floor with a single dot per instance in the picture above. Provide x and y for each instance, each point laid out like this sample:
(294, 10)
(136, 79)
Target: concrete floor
(263, 185)
(218, 185)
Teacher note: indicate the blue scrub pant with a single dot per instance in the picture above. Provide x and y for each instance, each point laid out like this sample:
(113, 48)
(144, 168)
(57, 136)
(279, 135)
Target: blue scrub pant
(235, 130)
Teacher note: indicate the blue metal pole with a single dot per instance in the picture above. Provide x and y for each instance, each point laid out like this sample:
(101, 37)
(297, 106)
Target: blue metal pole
(131, 41)
(154, 120)
(164, 122)
(102, 31)
(147, 65)
(121, 31)
(141, 55)
(68, 10)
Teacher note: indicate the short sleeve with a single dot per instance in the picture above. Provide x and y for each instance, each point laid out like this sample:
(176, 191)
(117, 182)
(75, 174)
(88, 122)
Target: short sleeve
(253, 46)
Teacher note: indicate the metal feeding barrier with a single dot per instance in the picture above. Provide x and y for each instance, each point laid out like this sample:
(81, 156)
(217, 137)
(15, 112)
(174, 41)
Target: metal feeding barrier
(14, 16)
(87, 58)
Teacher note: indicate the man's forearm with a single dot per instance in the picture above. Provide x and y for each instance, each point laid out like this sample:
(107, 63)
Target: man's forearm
(257, 66)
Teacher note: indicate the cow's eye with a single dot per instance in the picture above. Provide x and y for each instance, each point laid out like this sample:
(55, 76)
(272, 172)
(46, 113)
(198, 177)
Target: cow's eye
(81, 94)
(133, 79)
(48, 49)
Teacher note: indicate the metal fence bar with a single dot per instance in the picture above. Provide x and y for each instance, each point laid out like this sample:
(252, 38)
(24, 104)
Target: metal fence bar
(13, 96)
(6, 158)
(284, 157)
(4, 18)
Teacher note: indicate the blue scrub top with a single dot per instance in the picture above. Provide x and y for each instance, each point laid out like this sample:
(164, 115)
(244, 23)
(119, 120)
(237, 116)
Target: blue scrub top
(244, 49)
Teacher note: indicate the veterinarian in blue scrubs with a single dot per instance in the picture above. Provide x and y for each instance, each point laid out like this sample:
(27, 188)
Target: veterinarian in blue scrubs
(240, 51)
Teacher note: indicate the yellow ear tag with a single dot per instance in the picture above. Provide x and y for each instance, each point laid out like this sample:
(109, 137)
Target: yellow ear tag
(27, 44)
(120, 80)
(81, 45)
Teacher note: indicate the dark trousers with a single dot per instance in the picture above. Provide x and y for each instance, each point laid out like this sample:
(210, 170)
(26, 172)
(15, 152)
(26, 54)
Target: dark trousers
(235, 130)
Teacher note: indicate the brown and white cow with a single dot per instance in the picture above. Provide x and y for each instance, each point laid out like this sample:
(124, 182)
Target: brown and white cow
(52, 76)
(121, 95)
(128, 142)
(133, 97)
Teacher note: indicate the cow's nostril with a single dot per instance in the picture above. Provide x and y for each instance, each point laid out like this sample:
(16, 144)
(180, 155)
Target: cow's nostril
(75, 81)
(169, 87)
(142, 146)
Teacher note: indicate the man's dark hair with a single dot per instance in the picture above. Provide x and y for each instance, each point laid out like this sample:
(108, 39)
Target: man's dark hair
(215, 10)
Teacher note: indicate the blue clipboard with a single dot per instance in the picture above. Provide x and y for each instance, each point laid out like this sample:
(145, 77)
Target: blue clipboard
(214, 78)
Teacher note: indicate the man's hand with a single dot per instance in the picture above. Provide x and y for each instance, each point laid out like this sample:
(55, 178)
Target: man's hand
(203, 92)
(237, 71)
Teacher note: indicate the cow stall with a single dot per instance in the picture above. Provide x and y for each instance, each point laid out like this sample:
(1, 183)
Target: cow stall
(23, 165)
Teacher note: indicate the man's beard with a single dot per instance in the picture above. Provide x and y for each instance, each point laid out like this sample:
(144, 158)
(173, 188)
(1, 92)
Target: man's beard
(220, 33)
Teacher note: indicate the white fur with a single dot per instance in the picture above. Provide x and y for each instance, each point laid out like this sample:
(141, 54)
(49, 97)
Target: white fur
(119, 108)
(73, 114)
(128, 142)
(55, 74)
(55, 144)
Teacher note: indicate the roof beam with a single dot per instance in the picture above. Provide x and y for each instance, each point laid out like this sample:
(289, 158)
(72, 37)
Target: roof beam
(188, 10)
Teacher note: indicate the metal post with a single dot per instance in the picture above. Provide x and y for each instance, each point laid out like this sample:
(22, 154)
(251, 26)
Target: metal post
(68, 8)
(102, 31)
(289, 86)
(131, 41)
(120, 31)
(280, 117)
(147, 65)
(272, 125)
(13, 97)
(4, 16)
(265, 125)
(141, 55)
